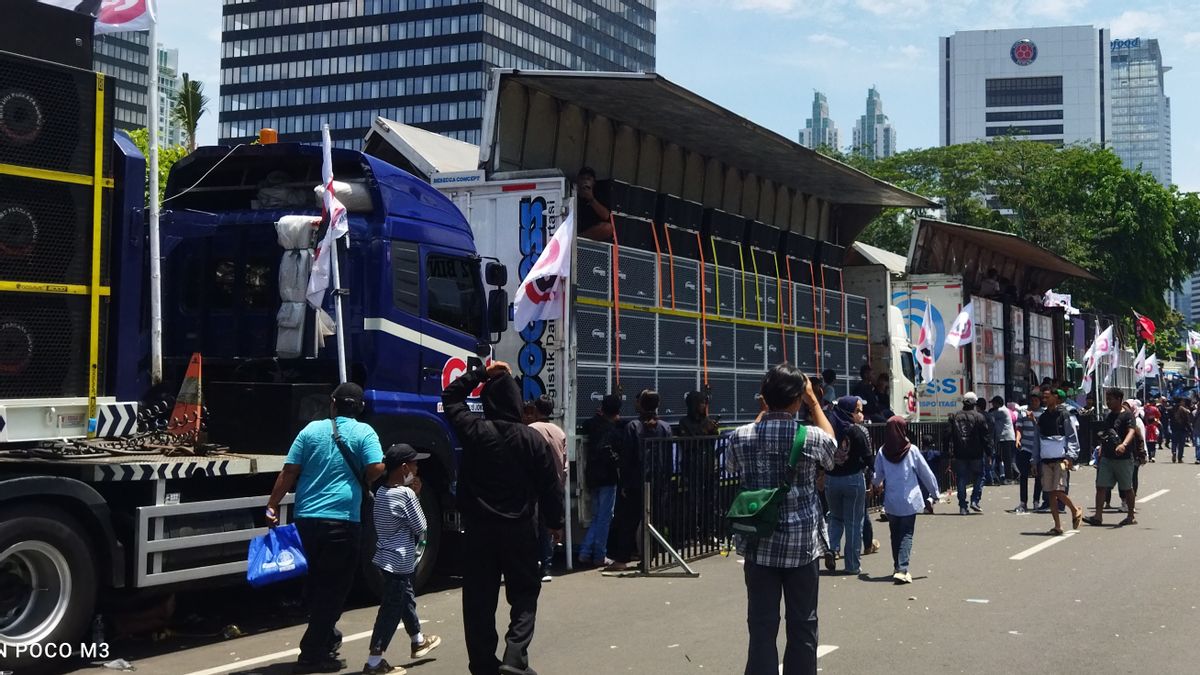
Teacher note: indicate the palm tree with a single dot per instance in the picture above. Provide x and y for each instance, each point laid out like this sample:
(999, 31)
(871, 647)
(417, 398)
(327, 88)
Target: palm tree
(189, 108)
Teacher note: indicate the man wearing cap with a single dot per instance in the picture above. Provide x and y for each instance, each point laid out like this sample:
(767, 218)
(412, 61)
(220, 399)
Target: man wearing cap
(971, 438)
(327, 512)
(505, 481)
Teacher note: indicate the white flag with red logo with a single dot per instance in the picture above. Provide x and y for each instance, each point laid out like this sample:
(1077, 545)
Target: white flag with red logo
(335, 215)
(117, 16)
(540, 295)
(926, 345)
(962, 331)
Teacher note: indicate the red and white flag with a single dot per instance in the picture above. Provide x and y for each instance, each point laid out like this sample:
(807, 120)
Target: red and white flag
(962, 331)
(1145, 327)
(1139, 364)
(117, 16)
(339, 225)
(540, 295)
(926, 344)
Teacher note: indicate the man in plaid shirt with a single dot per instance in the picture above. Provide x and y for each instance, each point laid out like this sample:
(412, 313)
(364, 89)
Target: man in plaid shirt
(784, 563)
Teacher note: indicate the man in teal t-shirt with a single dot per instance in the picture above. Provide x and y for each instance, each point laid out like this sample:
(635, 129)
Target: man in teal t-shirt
(328, 489)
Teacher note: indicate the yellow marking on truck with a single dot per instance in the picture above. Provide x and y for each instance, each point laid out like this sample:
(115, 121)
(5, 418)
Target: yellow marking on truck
(54, 289)
(50, 175)
(97, 219)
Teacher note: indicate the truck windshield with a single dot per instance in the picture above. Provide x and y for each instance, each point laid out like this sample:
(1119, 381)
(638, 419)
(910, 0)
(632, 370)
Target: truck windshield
(455, 293)
(908, 366)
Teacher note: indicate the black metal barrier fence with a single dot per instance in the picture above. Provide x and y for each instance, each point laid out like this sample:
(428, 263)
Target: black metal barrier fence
(689, 484)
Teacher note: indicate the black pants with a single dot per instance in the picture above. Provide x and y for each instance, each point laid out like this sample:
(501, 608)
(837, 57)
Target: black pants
(1024, 462)
(496, 547)
(622, 537)
(331, 547)
(798, 586)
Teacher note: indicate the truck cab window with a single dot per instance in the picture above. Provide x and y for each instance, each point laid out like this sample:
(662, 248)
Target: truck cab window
(908, 365)
(455, 294)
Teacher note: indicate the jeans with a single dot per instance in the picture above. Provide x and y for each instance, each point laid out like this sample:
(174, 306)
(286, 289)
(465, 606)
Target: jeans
(546, 549)
(1196, 445)
(969, 470)
(902, 528)
(1024, 462)
(595, 542)
(1004, 459)
(1151, 449)
(399, 603)
(627, 516)
(495, 547)
(1178, 440)
(798, 586)
(847, 496)
(332, 550)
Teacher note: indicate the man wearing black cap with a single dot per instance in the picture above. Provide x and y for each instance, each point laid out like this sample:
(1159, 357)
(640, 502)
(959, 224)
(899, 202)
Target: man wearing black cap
(327, 512)
(506, 478)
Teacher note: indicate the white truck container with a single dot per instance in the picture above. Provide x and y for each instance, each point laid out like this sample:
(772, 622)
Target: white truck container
(944, 295)
(891, 348)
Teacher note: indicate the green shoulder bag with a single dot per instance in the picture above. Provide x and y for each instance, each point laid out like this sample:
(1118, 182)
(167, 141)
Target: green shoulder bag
(755, 513)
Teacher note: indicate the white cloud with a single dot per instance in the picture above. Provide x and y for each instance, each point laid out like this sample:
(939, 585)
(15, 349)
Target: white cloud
(1133, 23)
(827, 40)
(775, 6)
(894, 7)
(1191, 40)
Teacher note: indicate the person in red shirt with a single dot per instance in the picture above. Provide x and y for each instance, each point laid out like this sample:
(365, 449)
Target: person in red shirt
(1153, 429)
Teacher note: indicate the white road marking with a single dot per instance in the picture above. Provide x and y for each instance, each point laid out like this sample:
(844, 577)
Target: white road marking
(1153, 495)
(822, 650)
(267, 658)
(1043, 546)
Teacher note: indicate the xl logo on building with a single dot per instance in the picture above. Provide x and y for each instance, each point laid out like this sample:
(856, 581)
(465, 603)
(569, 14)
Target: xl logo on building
(1023, 52)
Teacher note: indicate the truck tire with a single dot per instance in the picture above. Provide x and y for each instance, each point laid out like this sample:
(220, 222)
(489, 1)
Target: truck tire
(47, 579)
(372, 578)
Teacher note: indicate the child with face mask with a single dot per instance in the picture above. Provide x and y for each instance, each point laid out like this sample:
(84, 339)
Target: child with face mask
(400, 528)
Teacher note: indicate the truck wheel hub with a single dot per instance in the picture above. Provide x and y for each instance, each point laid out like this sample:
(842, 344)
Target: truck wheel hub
(35, 587)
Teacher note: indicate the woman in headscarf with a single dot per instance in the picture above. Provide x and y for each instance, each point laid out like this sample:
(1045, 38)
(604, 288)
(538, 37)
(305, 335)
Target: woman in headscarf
(900, 472)
(845, 487)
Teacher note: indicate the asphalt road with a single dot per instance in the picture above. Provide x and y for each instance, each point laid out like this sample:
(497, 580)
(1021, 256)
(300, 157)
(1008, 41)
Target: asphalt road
(1111, 600)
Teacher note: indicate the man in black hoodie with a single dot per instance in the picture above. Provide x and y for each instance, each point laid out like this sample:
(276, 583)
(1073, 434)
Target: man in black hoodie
(622, 538)
(506, 476)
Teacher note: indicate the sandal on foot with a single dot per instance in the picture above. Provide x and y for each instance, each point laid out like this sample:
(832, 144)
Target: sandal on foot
(1093, 520)
(1128, 521)
(1055, 532)
(1076, 518)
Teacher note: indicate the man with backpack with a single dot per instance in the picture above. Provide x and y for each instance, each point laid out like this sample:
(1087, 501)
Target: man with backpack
(971, 438)
(622, 542)
(329, 482)
(600, 474)
(1116, 466)
(506, 481)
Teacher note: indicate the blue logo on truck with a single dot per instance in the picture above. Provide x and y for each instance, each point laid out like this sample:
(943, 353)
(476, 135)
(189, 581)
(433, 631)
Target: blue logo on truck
(532, 359)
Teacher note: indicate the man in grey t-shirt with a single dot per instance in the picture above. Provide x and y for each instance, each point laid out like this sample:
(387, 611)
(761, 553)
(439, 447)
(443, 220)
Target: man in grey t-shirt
(1004, 439)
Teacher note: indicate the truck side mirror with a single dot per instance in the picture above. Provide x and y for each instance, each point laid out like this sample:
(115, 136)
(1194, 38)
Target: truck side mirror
(496, 274)
(497, 313)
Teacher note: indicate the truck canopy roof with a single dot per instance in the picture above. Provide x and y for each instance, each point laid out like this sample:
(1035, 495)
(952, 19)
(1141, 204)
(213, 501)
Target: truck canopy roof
(420, 152)
(939, 247)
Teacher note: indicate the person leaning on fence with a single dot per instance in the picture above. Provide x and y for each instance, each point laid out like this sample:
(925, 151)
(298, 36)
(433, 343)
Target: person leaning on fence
(845, 484)
(1056, 452)
(622, 540)
(903, 477)
(600, 475)
(328, 512)
(786, 561)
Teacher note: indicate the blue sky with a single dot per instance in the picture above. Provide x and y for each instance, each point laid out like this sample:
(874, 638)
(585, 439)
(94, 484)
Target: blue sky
(763, 58)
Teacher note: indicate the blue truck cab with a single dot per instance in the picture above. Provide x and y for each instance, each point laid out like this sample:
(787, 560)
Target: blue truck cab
(415, 294)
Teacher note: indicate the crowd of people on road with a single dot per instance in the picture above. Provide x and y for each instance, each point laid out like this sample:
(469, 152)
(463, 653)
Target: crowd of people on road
(809, 444)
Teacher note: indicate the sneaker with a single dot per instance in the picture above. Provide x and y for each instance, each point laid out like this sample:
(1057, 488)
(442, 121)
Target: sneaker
(898, 577)
(383, 667)
(1021, 508)
(976, 508)
(1042, 508)
(546, 578)
(831, 560)
(907, 578)
(325, 665)
(420, 651)
(873, 547)
(962, 510)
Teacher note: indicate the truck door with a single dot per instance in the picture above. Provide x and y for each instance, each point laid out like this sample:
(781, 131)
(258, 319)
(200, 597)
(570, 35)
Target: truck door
(452, 315)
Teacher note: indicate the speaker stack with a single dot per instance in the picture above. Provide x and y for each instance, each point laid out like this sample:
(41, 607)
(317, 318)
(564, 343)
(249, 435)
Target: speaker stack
(55, 154)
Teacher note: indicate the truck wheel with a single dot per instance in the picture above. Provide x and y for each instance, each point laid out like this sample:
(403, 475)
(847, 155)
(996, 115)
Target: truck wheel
(372, 578)
(47, 578)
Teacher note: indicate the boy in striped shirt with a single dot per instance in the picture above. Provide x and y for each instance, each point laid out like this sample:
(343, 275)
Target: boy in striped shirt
(400, 529)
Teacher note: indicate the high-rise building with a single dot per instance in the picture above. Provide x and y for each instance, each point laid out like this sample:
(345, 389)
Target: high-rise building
(874, 136)
(125, 58)
(1044, 84)
(296, 65)
(819, 130)
(1141, 110)
(170, 131)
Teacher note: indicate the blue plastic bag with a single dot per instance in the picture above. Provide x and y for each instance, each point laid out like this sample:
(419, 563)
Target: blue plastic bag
(276, 556)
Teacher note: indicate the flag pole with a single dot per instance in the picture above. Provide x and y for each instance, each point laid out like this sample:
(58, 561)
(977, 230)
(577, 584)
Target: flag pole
(156, 318)
(337, 279)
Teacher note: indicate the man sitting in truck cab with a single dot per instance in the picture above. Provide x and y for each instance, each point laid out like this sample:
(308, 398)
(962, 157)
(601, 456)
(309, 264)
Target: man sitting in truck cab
(594, 218)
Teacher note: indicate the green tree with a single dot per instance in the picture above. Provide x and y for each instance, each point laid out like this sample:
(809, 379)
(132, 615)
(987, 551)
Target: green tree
(189, 108)
(1138, 237)
(167, 156)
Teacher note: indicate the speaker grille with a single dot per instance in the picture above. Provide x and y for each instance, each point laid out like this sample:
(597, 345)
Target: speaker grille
(43, 345)
(45, 231)
(47, 116)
